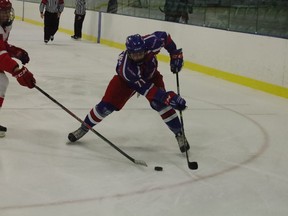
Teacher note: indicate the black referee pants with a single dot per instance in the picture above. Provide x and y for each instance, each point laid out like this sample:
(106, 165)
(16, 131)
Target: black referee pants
(78, 23)
(51, 24)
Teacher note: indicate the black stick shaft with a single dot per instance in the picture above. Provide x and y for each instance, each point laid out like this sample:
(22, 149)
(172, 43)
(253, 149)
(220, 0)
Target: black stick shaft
(91, 129)
(181, 118)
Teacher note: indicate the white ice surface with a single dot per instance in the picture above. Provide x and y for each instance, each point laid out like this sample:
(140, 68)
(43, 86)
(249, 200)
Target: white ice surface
(238, 136)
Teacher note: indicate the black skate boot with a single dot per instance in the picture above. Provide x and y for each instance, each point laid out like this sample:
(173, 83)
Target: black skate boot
(76, 135)
(182, 141)
(3, 130)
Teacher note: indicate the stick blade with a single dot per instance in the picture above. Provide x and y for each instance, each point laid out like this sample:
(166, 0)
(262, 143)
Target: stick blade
(140, 162)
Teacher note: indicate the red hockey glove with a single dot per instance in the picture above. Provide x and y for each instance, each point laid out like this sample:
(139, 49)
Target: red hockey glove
(23, 56)
(25, 77)
(19, 53)
(174, 100)
(176, 61)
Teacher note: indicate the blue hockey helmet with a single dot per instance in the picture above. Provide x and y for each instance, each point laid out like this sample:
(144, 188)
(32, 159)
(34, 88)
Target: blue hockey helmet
(136, 47)
(135, 43)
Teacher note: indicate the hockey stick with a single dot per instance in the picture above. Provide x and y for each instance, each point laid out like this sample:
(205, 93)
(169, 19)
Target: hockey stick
(192, 165)
(140, 162)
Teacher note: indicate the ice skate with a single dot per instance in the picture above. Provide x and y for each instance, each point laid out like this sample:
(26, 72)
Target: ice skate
(3, 131)
(76, 135)
(75, 37)
(182, 141)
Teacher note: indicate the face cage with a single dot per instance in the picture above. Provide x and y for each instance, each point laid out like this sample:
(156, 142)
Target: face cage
(137, 56)
(7, 17)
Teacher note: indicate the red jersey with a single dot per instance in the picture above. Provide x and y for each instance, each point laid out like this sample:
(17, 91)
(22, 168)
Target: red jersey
(6, 62)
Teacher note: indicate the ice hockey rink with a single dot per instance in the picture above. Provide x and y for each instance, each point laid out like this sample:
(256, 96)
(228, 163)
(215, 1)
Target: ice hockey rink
(237, 135)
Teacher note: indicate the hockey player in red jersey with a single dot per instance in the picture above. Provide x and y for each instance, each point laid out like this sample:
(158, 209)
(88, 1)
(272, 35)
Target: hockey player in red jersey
(7, 52)
(137, 71)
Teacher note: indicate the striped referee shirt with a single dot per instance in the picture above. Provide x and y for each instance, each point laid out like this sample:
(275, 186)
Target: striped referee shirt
(80, 8)
(52, 6)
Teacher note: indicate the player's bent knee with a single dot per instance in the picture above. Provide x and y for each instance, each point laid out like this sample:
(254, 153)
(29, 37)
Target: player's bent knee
(156, 105)
(105, 108)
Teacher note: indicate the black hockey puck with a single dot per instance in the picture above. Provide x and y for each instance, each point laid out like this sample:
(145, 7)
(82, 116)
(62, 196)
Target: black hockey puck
(193, 165)
(158, 168)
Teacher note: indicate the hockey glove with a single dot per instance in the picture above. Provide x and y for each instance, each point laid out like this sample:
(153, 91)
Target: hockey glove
(19, 53)
(23, 56)
(174, 100)
(25, 77)
(176, 61)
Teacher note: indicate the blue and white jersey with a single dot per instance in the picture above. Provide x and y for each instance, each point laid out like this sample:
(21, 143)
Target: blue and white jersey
(139, 74)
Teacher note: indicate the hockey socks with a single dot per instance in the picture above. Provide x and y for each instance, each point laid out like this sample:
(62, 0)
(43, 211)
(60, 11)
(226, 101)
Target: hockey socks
(95, 116)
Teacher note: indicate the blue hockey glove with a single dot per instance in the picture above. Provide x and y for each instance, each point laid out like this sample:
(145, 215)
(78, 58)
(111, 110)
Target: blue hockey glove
(174, 100)
(176, 61)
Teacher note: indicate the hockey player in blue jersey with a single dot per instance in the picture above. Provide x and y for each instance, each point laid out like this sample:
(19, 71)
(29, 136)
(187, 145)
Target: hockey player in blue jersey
(137, 71)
